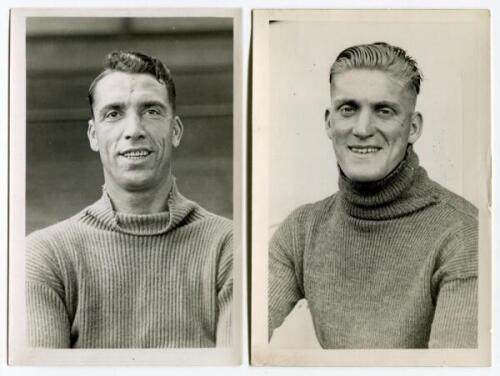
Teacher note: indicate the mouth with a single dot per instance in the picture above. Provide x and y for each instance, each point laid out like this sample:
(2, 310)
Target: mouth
(135, 154)
(368, 149)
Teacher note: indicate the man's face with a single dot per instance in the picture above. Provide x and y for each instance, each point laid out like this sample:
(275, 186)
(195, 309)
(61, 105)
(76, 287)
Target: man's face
(134, 129)
(370, 122)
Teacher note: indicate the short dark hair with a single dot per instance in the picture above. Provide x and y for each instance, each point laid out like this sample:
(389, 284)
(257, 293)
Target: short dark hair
(134, 62)
(381, 56)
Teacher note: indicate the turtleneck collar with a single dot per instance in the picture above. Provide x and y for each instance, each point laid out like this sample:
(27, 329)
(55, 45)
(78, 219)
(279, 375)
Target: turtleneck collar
(405, 190)
(178, 208)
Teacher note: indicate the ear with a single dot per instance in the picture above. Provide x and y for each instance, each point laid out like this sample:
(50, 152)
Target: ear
(92, 136)
(177, 131)
(416, 126)
(328, 123)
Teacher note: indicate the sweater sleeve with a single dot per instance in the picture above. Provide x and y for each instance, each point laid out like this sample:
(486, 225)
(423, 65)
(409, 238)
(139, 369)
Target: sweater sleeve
(455, 285)
(48, 324)
(225, 294)
(284, 289)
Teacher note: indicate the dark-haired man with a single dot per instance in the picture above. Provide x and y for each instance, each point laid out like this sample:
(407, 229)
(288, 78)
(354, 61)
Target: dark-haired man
(142, 267)
(389, 261)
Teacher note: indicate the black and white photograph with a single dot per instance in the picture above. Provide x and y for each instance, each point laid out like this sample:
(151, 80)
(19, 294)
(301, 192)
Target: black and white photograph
(371, 181)
(126, 198)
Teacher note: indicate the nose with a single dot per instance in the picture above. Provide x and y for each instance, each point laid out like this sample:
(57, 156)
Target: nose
(133, 127)
(363, 127)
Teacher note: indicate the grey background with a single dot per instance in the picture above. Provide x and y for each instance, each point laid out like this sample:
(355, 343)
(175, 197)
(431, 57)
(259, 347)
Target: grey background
(63, 55)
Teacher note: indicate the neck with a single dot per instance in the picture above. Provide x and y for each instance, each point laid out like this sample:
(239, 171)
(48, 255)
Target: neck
(403, 191)
(140, 202)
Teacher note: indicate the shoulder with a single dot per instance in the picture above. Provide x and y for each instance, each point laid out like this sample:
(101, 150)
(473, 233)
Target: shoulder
(302, 222)
(58, 238)
(215, 233)
(48, 250)
(53, 232)
(205, 224)
(189, 212)
(309, 214)
(458, 211)
(212, 220)
(458, 240)
(456, 221)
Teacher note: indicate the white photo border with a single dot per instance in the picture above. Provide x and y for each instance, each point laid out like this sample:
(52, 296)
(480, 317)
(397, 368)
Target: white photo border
(18, 352)
(263, 354)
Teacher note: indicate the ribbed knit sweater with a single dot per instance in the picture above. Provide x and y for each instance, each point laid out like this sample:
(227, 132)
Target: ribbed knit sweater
(103, 279)
(389, 264)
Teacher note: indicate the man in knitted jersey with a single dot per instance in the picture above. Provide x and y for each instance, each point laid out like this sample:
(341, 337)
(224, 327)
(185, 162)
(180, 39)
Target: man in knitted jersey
(390, 260)
(142, 267)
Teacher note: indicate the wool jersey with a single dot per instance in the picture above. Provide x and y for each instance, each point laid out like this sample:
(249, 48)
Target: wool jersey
(104, 279)
(387, 264)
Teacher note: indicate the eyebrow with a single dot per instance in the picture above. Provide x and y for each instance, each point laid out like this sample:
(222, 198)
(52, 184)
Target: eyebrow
(120, 105)
(394, 105)
(149, 104)
(339, 102)
(352, 102)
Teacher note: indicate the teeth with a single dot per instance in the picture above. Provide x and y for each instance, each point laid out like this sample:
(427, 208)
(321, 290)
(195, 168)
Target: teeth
(364, 150)
(136, 154)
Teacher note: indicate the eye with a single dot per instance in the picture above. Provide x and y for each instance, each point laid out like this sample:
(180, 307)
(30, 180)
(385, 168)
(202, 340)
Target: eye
(111, 115)
(152, 112)
(385, 112)
(347, 110)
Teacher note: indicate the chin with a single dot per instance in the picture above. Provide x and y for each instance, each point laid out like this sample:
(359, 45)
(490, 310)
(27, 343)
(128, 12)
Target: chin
(364, 175)
(135, 186)
(137, 183)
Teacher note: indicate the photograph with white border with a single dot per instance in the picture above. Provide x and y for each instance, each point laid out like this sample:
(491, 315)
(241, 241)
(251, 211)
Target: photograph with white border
(367, 249)
(125, 193)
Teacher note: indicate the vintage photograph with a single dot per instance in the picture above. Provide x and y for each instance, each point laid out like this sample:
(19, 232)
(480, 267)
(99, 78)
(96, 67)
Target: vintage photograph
(371, 186)
(131, 206)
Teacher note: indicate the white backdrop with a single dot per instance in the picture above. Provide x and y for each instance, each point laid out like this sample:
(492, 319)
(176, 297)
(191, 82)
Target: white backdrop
(303, 167)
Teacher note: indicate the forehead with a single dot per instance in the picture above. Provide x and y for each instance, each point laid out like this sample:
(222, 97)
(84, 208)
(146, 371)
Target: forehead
(121, 87)
(369, 85)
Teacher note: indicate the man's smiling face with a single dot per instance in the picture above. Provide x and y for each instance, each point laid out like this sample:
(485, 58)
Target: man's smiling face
(370, 122)
(134, 129)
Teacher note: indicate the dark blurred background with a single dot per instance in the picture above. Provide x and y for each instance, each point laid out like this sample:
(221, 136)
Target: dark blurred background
(63, 56)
